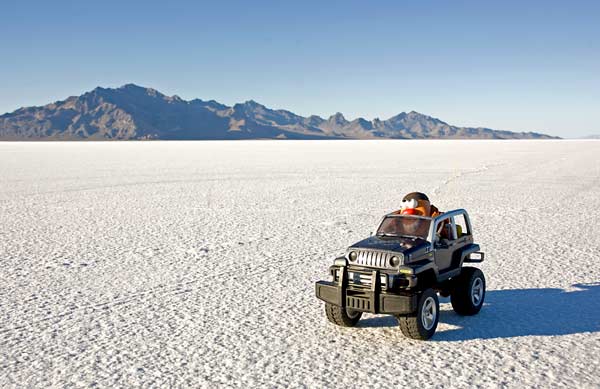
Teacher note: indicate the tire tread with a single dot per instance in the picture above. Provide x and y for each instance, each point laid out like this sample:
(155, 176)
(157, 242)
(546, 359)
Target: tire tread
(337, 315)
(460, 297)
(409, 327)
(410, 324)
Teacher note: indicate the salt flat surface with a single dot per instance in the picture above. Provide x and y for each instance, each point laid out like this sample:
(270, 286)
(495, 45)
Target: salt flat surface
(193, 263)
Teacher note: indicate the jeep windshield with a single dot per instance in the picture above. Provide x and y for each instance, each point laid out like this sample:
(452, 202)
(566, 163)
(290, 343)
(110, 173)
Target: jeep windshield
(404, 226)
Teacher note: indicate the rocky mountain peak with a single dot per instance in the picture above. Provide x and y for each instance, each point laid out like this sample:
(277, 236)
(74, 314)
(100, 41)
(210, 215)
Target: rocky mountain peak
(338, 118)
(136, 112)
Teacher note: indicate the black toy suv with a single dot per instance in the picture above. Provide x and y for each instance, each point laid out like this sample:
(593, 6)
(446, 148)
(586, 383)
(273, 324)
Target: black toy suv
(401, 269)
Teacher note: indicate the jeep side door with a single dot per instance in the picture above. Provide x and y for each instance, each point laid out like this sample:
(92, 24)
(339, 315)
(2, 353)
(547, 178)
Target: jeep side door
(445, 240)
(463, 237)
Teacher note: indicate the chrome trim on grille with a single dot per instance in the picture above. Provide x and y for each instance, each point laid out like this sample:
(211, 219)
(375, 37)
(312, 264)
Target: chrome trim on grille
(373, 258)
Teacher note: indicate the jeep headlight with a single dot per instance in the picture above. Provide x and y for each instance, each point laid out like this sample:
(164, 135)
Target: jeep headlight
(395, 260)
(352, 256)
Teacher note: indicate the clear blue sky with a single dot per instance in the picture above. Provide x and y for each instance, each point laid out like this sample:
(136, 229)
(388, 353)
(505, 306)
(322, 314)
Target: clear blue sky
(513, 65)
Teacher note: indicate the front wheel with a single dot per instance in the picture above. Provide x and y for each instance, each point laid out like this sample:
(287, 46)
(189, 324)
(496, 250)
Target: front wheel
(422, 324)
(343, 317)
(469, 292)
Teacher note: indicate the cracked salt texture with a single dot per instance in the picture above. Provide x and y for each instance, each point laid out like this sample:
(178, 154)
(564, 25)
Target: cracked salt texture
(193, 263)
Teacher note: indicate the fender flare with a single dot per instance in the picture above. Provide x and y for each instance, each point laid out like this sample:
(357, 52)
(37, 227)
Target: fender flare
(467, 251)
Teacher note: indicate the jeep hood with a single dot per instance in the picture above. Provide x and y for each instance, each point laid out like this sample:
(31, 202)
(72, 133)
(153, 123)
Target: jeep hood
(397, 244)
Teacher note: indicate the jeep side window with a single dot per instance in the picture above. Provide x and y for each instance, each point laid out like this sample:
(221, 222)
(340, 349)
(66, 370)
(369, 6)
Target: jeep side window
(462, 228)
(444, 230)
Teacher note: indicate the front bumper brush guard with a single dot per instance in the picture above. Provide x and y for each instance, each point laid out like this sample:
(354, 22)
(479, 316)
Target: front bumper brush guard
(371, 300)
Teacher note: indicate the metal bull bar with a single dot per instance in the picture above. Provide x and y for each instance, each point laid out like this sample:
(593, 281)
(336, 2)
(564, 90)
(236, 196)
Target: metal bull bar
(365, 301)
(370, 299)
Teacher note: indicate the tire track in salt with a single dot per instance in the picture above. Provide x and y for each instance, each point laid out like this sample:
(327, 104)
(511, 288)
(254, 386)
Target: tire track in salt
(437, 190)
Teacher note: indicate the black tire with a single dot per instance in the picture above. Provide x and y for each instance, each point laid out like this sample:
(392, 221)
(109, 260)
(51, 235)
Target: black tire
(421, 325)
(469, 292)
(341, 316)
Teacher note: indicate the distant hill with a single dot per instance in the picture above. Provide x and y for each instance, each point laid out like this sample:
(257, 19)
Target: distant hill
(134, 112)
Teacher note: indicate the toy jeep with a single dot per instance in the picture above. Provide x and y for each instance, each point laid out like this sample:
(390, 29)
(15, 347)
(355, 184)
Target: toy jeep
(401, 269)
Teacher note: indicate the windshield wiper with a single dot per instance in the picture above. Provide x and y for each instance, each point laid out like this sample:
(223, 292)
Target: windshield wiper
(386, 234)
(412, 236)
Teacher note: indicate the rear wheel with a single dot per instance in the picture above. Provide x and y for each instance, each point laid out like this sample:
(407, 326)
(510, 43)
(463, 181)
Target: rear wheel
(422, 324)
(469, 292)
(342, 316)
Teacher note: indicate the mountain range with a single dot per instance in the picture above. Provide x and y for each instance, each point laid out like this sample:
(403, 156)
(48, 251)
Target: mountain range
(133, 112)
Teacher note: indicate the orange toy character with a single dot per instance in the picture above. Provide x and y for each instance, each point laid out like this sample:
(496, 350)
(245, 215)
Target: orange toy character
(417, 203)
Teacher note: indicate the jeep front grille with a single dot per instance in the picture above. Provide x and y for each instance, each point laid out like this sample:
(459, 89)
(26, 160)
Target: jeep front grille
(373, 259)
